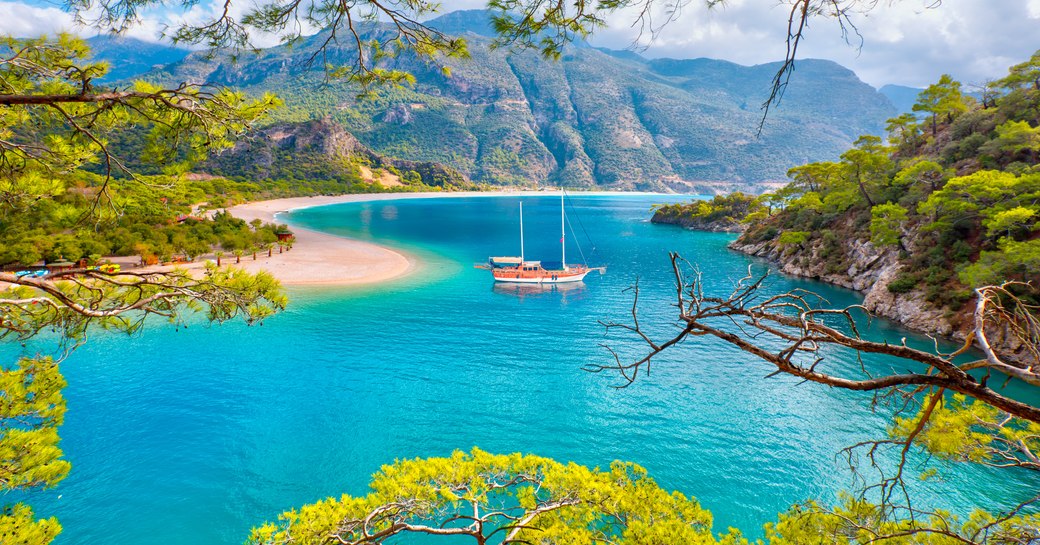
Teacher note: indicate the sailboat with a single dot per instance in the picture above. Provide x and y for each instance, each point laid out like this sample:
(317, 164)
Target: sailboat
(521, 271)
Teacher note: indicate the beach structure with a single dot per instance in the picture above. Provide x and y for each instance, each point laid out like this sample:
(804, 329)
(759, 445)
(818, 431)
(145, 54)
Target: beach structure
(60, 266)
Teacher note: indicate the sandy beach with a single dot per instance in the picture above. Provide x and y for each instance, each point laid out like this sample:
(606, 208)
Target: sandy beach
(318, 258)
(322, 259)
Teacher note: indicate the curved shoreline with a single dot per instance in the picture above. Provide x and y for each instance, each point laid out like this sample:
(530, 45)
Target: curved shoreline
(322, 259)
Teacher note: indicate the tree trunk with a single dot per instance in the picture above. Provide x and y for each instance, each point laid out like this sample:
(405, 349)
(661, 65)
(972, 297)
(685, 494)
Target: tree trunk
(863, 188)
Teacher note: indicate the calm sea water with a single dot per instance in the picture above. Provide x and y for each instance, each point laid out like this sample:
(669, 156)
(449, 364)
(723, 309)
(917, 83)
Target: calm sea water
(194, 435)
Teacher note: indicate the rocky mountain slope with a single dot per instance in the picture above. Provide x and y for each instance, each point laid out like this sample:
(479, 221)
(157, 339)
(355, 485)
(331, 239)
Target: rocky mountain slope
(323, 149)
(595, 118)
(129, 57)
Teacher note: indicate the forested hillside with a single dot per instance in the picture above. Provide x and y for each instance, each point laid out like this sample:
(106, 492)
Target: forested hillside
(949, 203)
(595, 118)
(313, 153)
(139, 202)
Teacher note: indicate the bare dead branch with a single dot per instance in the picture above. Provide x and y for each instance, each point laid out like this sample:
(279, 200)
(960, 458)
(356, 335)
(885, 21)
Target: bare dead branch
(794, 322)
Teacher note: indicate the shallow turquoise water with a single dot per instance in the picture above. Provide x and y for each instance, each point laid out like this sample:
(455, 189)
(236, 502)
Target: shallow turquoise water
(194, 435)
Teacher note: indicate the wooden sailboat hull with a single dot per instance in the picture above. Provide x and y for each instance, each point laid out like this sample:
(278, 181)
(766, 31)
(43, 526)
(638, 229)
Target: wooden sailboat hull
(515, 276)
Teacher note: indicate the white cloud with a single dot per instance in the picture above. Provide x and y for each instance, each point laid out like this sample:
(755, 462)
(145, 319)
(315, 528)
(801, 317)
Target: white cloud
(903, 41)
(23, 21)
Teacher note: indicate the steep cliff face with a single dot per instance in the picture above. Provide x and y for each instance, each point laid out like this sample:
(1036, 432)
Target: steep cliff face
(871, 270)
(865, 268)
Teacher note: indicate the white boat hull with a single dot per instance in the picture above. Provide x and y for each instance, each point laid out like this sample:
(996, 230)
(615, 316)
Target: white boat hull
(542, 280)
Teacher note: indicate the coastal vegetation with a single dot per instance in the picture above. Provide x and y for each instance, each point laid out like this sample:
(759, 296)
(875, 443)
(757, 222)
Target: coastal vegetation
(64, 191)
(158, 221)
(159, 218)
(499, 499)
(722, 213)
(528, 499)
(948, 204)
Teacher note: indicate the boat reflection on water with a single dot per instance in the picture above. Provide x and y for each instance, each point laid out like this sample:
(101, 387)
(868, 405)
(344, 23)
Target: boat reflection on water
(568, 290)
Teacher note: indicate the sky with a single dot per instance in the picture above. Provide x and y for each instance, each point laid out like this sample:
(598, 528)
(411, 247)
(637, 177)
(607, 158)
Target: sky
(904, 42)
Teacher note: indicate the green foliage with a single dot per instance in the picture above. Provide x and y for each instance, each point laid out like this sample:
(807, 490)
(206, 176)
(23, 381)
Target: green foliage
(63, 228)
(1010, 221)
(856, 521)
(44, 144)
(903, 283)
(943, 98)
(969, 202)
(721, 212)
(903, 131)
(886, 221)
(18, 526)
(793, 238)
(1023, 76)
(868, 165)
(971, 431)
(1011, 260)
(527, 498)
(1016, 136)
(921, 177)
(31, 409)
(523, 497)
(963, 207)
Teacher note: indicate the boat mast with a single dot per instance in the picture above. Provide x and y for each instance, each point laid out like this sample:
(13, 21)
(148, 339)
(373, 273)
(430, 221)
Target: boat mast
(521, 233)
(563, 234)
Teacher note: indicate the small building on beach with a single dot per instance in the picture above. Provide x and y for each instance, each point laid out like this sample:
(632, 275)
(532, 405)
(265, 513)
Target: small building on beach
(60, 266)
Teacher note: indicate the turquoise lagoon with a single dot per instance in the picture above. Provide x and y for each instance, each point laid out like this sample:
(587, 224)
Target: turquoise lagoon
(193, 435)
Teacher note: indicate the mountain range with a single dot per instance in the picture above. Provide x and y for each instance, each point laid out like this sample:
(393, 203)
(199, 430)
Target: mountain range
(595, 118)
(130, 57)
(901, 96)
